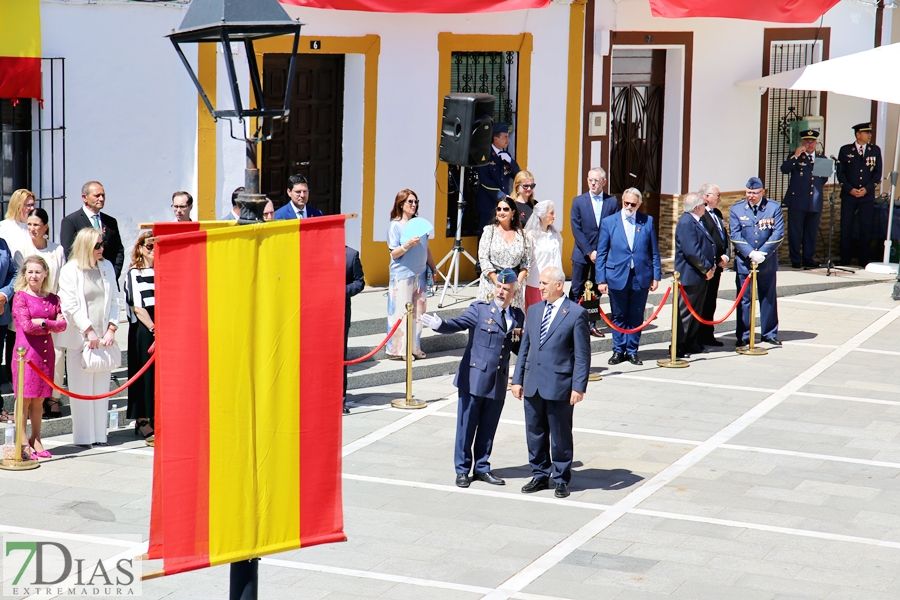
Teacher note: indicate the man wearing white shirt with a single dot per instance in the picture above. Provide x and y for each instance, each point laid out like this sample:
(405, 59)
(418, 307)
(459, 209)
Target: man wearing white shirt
(298, 207)
(93, 197)
(715, 225)
(859, 174)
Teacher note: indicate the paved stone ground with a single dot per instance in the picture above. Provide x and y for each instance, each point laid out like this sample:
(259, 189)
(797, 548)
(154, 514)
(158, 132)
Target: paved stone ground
(763, 478)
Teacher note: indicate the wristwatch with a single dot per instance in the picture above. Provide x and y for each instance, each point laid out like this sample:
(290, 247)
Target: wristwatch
(113, 327)
(44, 324)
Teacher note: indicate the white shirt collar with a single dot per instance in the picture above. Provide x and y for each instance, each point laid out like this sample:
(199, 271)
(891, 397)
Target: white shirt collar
(496, 149)
(626, 217)
(861, 147)
(695, 215)
(298, 211)
(557, 303)
(90, 215)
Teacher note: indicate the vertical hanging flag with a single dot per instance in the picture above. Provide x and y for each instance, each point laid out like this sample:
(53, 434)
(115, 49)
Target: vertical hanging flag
(249, 367)
(20, 49)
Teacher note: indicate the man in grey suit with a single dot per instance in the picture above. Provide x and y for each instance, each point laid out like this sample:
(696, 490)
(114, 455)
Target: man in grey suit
(552, 374)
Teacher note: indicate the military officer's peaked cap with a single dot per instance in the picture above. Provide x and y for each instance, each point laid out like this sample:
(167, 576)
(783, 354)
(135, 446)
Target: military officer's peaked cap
(862, 127)
(501, 127)
(809, 134)
(507, 276)
(755, 183)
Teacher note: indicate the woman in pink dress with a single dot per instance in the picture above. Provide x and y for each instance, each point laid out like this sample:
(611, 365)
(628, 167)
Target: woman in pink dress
(37, 314)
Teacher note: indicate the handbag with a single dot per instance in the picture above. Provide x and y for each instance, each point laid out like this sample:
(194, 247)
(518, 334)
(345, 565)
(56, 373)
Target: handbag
(104, 358)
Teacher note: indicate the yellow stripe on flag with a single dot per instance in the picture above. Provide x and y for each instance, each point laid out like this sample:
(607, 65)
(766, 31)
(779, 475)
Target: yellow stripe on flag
(250, 274)
(20, 28)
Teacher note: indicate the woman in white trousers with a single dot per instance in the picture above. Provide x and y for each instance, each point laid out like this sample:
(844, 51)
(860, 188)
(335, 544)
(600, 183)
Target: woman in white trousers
(90, 301)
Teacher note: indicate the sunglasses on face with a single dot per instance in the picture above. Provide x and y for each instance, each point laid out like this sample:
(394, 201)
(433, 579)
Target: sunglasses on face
(149, 247)
(502, 209)
(412, 202)
(630, 204)
(99, 245)
(528, 186)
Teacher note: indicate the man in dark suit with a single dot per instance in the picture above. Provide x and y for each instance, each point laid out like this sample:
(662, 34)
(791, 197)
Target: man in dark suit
(628, 269)
(495, 178)
(803, 200)
(297, 208)
(355, 281)
(715, 224)
(695, 260)
(482, 375)
(859, 173)
(757, 230)
(552, 373)
(588, 210)
(94, 198)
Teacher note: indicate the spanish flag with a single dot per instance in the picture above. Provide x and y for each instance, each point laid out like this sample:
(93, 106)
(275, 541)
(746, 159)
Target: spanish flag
(20, 49)
(249, 369)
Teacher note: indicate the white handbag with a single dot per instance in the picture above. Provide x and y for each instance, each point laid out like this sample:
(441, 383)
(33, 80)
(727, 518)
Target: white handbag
(104, 358)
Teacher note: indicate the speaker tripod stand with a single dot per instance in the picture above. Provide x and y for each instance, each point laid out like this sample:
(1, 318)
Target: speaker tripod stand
(452, 276)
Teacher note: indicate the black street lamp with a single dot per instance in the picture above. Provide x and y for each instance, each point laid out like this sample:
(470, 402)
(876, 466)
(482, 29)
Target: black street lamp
(227, 21)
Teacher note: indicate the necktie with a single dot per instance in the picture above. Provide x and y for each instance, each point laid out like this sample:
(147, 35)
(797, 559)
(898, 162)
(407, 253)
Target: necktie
(545, 323)
(300, 214)
(718, 223)
(598, 211)
(503, 322)
(860, 150)
(96, 221)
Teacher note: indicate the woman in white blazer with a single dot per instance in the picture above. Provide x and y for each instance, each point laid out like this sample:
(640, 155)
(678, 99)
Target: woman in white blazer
(90, 301)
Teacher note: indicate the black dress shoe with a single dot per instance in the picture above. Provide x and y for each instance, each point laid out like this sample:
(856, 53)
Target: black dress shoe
(535, 485)
(633, 359)
(616, 358)
(562, 490)
(696, 349)
(597, 333)
(811, 265)
(771, 340)
(489, 478)
(796, 265)
(346, 410)
(678, 353)
(462, 480)
(713, 342)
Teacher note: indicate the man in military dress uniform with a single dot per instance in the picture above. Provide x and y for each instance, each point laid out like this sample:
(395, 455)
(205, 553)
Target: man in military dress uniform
(494, 330)
(495, 178)
(803, 199)
(859, 173)
(757, 229)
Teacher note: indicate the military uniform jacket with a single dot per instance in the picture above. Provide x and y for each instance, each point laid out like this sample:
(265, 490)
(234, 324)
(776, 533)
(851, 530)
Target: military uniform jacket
(763, 231)
(804, 191)
(859, 171)
(493, 184)
(484, 368)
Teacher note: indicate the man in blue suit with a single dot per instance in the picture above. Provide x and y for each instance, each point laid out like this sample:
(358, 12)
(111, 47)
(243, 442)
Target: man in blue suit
(695, 260)
(757, 229)
(552, 373)
(803, 200)
(495, 178)
(628, 269)
(859, 173)
(297, 208)
(482, 375)
(588, 210)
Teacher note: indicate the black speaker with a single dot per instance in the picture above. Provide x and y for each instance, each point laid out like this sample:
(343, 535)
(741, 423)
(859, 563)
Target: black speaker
(467, 129)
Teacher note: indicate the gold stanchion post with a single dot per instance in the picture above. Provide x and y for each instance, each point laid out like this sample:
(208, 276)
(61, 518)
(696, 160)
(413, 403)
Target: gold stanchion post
(17, 463)
(408, 401)
(673, 362)
(751, 349)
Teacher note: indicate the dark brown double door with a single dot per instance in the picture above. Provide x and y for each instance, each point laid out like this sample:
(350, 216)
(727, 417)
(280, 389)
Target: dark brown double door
(309, 143)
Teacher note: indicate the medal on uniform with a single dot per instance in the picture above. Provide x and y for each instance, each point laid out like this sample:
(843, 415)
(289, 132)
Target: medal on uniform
(516, 334)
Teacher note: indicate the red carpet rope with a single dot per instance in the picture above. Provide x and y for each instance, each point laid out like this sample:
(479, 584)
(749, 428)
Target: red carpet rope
(728, 314)
(71, 394)
(380, 346)
(642, 325)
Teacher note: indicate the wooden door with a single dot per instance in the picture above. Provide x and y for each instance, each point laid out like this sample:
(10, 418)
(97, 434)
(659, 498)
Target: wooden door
(309, 143)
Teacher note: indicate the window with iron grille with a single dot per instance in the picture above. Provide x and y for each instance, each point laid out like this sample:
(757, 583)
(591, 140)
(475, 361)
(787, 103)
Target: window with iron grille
(497, 74)
(786, 106)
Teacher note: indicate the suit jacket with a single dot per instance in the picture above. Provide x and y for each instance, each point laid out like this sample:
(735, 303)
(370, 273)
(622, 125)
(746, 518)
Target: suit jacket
(494, 182)
(484, 368)
(859, 171)
(355, 280)
(8, 272)
(76, 221)
(763, 231)
(561, 364)
(804, 191)
(584, 224)
(695, 251)
(74, 306)
(287, 212)
(720, 238)
(614, 255)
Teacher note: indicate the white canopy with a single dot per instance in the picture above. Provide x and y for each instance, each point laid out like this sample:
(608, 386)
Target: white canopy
(871, 74)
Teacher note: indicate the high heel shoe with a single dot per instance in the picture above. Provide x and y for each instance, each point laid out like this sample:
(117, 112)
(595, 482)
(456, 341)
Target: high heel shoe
(51, 409)
(139, 426)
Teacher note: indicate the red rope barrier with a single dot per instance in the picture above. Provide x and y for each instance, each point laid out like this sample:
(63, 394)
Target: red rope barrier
(642, 325)
(728, 314)
(71, 394)
(380, 346)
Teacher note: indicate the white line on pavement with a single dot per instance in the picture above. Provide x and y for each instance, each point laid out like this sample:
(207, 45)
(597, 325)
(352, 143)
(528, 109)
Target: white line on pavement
(560, 551)
(869, 350)
(75, 537)
(838, 304)
(380, 434)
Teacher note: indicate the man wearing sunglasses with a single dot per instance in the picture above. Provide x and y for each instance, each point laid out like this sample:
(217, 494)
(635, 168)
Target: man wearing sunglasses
(94, 198)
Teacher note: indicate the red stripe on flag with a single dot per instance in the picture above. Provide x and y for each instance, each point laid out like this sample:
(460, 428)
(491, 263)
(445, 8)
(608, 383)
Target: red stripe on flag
(322, 290)
(778, 11)
(183, 402)
(20, 77)
(433, 7)
(176, 227)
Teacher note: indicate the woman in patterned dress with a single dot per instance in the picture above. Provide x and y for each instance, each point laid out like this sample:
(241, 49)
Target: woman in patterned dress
(37, 313)
(503, 246)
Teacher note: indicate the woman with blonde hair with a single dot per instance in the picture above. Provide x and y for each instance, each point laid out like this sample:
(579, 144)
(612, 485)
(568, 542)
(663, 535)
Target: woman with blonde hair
(89, 296)
(13, 231)
(140, 298)
(37, 314)
(523, 193)
(546, 248)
